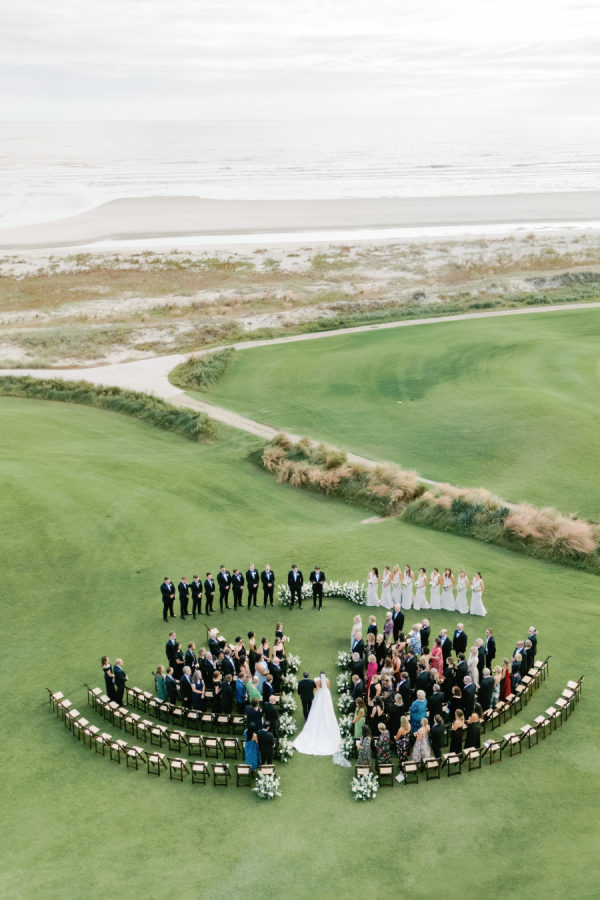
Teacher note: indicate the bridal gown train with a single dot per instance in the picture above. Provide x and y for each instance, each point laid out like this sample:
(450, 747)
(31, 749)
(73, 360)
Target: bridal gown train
(321, 733)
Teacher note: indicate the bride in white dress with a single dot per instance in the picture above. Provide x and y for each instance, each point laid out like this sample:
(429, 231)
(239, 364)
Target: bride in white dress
(407, 588)
(477, 607)
(321, 733)
(462, 586)
(421, 592)
(386, 589)
(448, 592)
(396, 586)
(372, 589)
(435, 596)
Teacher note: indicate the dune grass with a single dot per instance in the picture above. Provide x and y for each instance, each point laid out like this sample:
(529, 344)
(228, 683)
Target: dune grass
(96, 509)
(508, 404)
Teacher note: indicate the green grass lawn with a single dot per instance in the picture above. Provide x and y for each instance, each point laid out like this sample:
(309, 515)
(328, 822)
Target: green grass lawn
(96, 509)
(508, 404)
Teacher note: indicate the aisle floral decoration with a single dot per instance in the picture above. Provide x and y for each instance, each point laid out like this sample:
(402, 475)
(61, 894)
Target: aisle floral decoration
(285, 751)
(287, 726)
(288, 703)
(346, 725)
(345, 703)
(365, 787)
(293, 663)
(289, 684)
(344, 660)
(348, 590)
(347, 746)
(344, 682)
(267, 786)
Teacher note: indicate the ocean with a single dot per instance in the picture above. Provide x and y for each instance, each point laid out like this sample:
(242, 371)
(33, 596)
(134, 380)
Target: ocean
(49, 170)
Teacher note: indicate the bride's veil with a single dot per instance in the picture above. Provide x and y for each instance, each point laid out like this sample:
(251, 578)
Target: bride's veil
(323, 680)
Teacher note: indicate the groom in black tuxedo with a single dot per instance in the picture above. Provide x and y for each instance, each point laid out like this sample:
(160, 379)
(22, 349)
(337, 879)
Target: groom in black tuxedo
(295, 582)
(306, 690)
(317, 579)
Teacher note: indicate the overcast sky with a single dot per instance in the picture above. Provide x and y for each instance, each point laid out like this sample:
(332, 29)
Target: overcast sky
(180, 59)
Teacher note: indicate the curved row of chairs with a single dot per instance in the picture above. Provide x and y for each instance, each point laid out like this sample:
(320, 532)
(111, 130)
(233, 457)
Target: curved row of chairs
(494, 749)
(154, 761)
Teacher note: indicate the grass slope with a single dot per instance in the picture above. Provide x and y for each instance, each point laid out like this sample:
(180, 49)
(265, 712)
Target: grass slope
(96, 509)
(509, 404)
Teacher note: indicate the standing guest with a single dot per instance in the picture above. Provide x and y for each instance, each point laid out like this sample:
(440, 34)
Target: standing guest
(271, 717)
(358, 666)
(120, 681)
(237, 584)
(449, 679)
(224, 580)
(380, 651)
(358, 645)
(209, 593)
(404, 688)
(216, 688)
(459, 642)
(317, 579)
(364, 749)
(462, 669)
(477, 607)
(268, 582)
(276, 673)
(371, 669)
(198, 692)
(437, 736)
(377, 715)
(462, 586)
(191, 659)
(421, 749)
(262, 670)
(359, 720)
(358, 688)
(497, 686)
(456, 732)
(437, 656)
(403, 739)
(515, 671)
(398, 619)
(436, 703)
(472, 664)
(469, 696)
(480, 657)
(397, 587)
(388, 629)
(420, 601)
(373, 587)
(533, 637)
(251, 651)
(178, 662)
(407, 588)
(473, 738)
(425, 633)
(489, 648)
(213, 643)
(386, 588)
(109, 678)
(372, 627)
(529, 658)
(295, 582)
(167, 592)
(227, 663)
(448, 591)
(253, 714)
(184, 597)
(396, 712)
(456, 702)
(171, 686)
(414, 639)
(446, 644)
(410, 665)
(422, 680)
(208, 670)
(435, 585)
(383, 745)
(251, 751)
(356, 627)
(266, 744)
(486, 689)
(265, 648)
(227, 694)
(185, 687)
(171, 648)
(240, 694)
(252, 582)
(196, 589)
(418, 711)
(159, 683)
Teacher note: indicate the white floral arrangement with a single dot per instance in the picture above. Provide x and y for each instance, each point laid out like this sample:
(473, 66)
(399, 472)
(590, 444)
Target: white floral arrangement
(289, 684)
(365, 787)
(344, 660)
(348, 746)
(287, 725)
(285, 751)
(349, 590)
(346, 725)
(267, 786)
(288, 703)
(344, 681)
(345, 703)
(293, 663)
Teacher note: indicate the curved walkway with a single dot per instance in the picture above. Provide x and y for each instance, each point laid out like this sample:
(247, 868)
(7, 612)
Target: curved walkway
(152, 375)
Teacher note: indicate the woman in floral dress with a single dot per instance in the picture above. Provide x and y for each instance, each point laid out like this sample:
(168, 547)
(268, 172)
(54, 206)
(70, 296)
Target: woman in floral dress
(383, 745)
(402, 739)
(422, 750)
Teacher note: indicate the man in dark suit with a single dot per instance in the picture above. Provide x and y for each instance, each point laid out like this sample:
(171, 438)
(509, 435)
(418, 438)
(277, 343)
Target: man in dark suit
(446, 645)
(306, 690)
(358, 687)
(425, 633)
(486, 686)
(459, 642)
(480, 657)
(266, 743)
(317, 579)
(271, 717)
(469, 695)
(398, 620)
(209, 593)
(185, 687)
(224, 579)
(410, 666)
(191, 659)
(184, 596)
(422, 681)
(171, 686)
(295, 582)
(254, 716)
(267, 688)
(533, 637)
(357, 666)
(167, 592)
(252, 581)
(208, 669)
(171, 648)
(461, 671)
(275, 670)
(404, 689)
(196, 589)
(213, 644)
(226, 695)
(227, 663)
(120, 680)
(358, 645)
(490, 648)
(237, 583)
(268, 582)
(436, 703)
(437, 736)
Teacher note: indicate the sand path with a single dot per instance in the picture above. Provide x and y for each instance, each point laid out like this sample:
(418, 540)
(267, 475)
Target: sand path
(152, 375)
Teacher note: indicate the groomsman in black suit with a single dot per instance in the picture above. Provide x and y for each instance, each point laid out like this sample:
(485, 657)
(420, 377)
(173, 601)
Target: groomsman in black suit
(167, 591)
(171, 648)
(306, 690)
(490, 648)
(120, 679)
(196, 589)
(237, 583)
(252, 581)
(398, 620)
(224, 579)
(184, 596)
(268, 582)
(295, 582)
(459, 642)
(317, 579)
(446, 645)
(209, 593)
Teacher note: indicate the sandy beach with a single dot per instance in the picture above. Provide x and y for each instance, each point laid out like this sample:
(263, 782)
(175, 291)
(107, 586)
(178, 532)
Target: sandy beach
(155, 217)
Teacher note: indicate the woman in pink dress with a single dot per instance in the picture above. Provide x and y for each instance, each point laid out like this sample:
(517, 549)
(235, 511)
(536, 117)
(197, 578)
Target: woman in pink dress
(371, 669)
(437, 659)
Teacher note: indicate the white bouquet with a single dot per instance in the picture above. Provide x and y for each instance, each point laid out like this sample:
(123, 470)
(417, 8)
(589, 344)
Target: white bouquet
(267, 786)
(288, 703)
(285, 751)
(293, 663)
(289, 684)
(287, 725)
(365, 787)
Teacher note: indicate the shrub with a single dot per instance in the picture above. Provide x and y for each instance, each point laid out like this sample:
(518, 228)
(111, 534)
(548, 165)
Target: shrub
(200, 372)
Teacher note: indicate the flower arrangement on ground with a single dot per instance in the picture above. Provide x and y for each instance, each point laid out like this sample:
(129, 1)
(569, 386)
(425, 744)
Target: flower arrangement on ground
(293, 663)
(346, 725)
(285, 751)
(345, 703)
(344, 661)
(348, 746)
(289, 684)
(288, 703)
(287, 725)
(365, 787)
(267, 786)
(348, 590)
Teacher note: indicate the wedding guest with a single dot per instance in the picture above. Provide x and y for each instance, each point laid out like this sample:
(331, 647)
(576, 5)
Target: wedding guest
(216, 689)
(271, 717)
(171, 686)
(253, 715)
(372, 627)
(262, 670)
(120, 681)
(472, 664)
(380, 651)
(396, 713)
(371, 670)
(414, 639)
(356, 628)
(505, 687)
(490, 648)
(364, 749)
(497, 685)
(446, 644)
(359, 719)
(437, 736)
(436, 703)
(377, 716)
(358, 645)
(398, 620)
(462, 669)
(533, 637)
(404, 688)
(266, 744)
(425, 633)
(459, 642)
(374, 691)
(515, 675)
(251, 751)
(388, 628)
(403, 739)
(473, 737)
(240, 693)
(253, 690)
(526, 656)
(456, 702)
(159, 683)
(469, 696)
(422, 750)
(109, 678)
(422, 680)
(171, 648)
(383, 746)
(486, 689)
(227, 695)
(190, 656)
(418, 711)
(358, 688)
(357, 667)
(456, 732)
(480, 658)
(437, 657)
(179, 662)
(185, 687)
(198, 692)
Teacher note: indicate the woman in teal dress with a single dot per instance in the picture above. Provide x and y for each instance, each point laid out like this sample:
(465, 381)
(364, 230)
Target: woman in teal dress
(159, 680)
(251, 752)
(418, 711)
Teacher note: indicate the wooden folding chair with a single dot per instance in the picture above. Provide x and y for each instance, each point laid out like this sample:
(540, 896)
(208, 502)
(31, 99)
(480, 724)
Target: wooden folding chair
(513, 742)
(411, 772)
(507, 709)
(130, 722)
(143, 729)
(157, 734)
(54, 699)
(208, 698)
(79, 726)
(178, 769)
(70, 717)
(433, 768)
(153, 707)
(102, 742)
(116, 749)
(544, 725)
(223, 724)
(156, 762)
(175, 739)
(133, 756)
(494, 750)
(243, 775)
(238, 724)
(555, 716)
(230, 748)
(452, 763)
(520, 695)
(529, 732)
(164, 712)
(212, 745)
(221, 773)
(361, 771)
(385, 773)
(192, 720)
(89, 735)
(472, 756)
(93, 694)
(563, 706)
(267, 769)
(207, 721)
(63, 708)
(178, 714)
(200, 772)
(195, 745)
